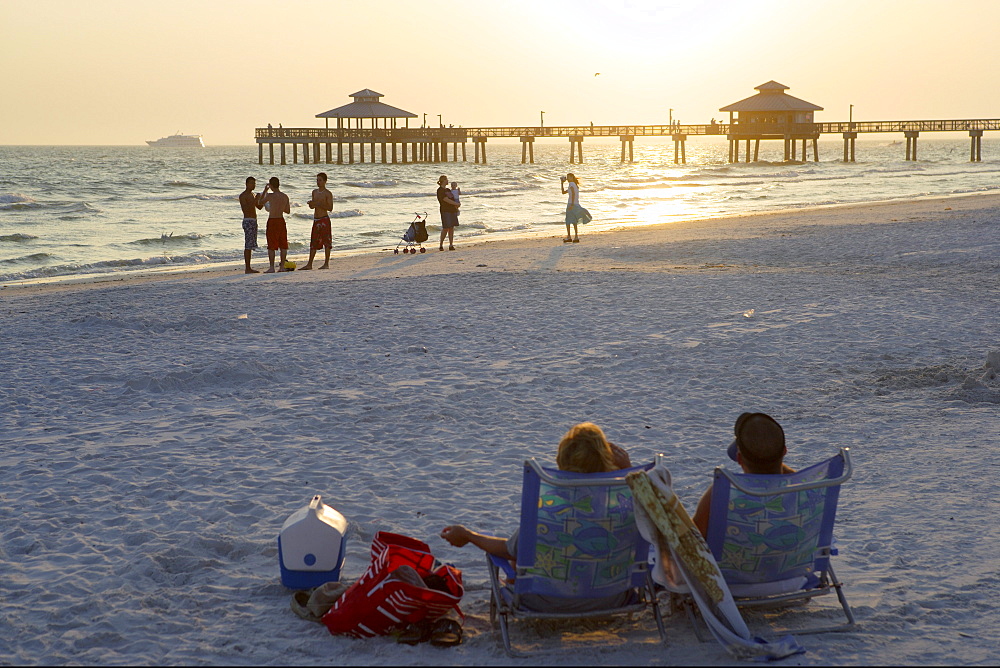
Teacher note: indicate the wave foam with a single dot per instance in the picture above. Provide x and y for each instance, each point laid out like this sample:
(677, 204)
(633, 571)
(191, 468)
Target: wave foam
(17, 237)
(15, 198)
(372, 184)
(169, 239)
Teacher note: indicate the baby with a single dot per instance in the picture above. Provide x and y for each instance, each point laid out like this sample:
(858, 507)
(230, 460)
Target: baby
(456, 193)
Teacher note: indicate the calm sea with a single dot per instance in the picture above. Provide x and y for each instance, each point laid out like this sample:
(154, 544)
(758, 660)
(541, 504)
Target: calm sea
(68, 211)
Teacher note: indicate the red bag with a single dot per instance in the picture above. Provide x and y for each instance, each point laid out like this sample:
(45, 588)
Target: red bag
(375, 606)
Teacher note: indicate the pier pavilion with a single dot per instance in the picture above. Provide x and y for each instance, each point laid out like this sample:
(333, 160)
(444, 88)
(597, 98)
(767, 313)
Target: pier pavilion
(772, 114)
(367, 121)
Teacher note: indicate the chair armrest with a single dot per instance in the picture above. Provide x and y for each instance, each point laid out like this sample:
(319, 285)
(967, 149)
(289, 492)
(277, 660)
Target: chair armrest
(503, 565)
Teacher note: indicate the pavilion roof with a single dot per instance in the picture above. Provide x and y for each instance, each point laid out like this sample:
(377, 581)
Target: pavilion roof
(367, 110)
(772, 97)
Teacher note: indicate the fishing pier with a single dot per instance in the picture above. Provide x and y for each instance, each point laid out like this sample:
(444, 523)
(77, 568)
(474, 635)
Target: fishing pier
(772, 114)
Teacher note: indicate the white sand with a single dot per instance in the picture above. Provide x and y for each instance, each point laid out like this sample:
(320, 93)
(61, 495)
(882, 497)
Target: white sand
(154, 441)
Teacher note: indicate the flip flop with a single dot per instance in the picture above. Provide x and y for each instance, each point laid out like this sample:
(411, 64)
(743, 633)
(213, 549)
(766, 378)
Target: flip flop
(447, 632)
(415, 633)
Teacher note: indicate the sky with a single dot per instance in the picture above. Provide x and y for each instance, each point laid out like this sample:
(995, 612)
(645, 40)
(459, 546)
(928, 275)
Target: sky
(119, 72)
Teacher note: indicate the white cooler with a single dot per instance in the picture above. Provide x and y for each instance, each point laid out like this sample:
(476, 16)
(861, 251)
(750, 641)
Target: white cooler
(312, 546)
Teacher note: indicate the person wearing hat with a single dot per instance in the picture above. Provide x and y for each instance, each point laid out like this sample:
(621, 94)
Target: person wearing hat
(759, 448)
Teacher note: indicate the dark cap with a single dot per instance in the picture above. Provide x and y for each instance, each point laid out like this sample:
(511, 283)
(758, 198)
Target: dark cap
(774, 438)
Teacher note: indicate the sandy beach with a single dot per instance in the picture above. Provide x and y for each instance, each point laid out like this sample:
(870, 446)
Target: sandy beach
(159, 428)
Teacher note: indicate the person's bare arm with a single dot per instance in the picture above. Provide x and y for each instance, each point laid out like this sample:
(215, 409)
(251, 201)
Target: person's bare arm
(459, 536)
(327, 202)
(288, 208)
(701, 514)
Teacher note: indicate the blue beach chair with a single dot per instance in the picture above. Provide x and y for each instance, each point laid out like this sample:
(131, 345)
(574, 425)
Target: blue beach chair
(772, 536)
(579, 553)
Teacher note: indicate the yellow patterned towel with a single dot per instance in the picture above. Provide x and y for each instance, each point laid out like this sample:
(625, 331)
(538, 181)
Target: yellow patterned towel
(676, 528)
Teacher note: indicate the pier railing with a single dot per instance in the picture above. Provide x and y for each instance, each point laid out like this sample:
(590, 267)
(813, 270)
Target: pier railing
(389, 135)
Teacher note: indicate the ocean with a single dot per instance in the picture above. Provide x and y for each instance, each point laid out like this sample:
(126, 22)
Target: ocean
(68, 211)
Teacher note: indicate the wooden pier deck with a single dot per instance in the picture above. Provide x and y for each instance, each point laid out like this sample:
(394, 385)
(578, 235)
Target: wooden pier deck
(421, 145)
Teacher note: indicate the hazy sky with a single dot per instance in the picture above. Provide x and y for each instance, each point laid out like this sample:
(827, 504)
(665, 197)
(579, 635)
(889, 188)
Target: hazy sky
(123, 71)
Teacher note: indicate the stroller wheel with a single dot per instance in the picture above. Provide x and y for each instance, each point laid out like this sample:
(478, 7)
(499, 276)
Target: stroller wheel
(423, 250)
(395, 251)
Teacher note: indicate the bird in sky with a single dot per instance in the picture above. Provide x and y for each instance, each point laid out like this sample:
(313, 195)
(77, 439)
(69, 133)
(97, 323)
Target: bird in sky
(597, 74)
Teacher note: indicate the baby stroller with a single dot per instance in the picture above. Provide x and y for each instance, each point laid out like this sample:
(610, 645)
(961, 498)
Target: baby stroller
(415, 235)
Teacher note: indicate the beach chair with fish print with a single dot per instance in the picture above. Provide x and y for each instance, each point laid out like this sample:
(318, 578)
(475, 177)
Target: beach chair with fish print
(579, 552)
(772, 536)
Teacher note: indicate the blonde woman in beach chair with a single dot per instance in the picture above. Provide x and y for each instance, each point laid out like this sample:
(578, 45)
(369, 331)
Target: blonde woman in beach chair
(578, 552)
(772, 538)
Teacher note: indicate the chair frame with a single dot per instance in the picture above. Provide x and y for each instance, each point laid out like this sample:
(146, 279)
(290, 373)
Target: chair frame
(502, 610)
(827, 581)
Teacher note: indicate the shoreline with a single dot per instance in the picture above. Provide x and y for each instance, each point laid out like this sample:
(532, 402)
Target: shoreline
(357, 263)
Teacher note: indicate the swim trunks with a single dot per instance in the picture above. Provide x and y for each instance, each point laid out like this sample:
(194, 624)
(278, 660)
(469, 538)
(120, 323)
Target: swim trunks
(250, 234)
(277, 234)
(322, 236)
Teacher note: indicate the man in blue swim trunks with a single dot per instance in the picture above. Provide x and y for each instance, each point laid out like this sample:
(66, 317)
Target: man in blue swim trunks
(248, 202)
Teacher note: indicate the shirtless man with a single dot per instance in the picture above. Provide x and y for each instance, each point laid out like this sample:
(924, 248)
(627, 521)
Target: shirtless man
(322, 235)
(277, 233)
(248, 202)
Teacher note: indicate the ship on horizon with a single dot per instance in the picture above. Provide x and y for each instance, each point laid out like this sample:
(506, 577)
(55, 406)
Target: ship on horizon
(178, 141)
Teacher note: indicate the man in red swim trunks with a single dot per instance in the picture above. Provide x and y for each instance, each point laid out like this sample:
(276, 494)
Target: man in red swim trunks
(277, 234)
(322, 236)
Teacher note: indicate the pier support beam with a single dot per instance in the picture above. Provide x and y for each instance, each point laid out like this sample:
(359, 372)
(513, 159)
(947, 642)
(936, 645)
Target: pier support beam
(527, 150)
(756, 151)
(815, 149)
(576, 143)
(480, 145)
(295, 153)
(849, 138)
(283, 154)
(911, 144)
(316, 153)
(976, 149)
(464, 158)
(329, 151)
(630, 141)
(260, 154)
(680, 148)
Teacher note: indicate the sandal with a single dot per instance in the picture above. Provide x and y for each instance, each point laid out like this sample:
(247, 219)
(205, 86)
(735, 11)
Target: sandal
(415, 633)
(567, 240)
(447, 632)
(300, 606)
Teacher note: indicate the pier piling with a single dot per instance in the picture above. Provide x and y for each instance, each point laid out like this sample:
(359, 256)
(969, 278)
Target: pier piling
(576, 142)
(911, 144)
(976, 150)
(527, 149)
